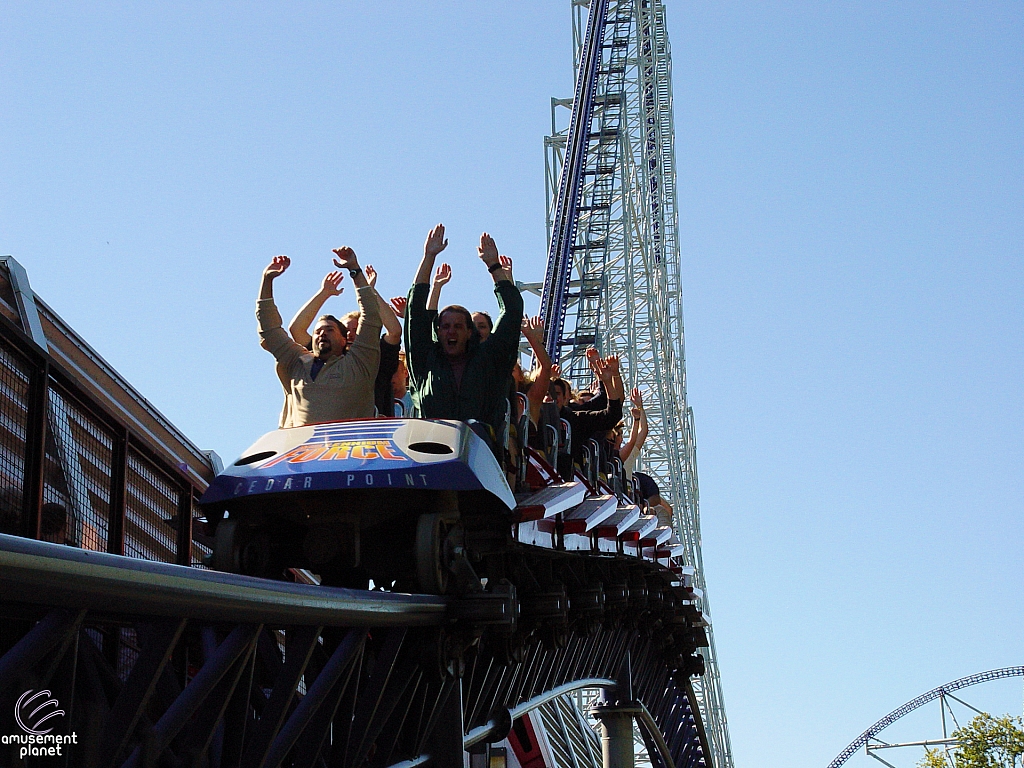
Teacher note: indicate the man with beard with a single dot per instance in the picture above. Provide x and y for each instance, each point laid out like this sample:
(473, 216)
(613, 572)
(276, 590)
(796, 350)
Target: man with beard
(326, 384)
(457, 376)
(390, 342)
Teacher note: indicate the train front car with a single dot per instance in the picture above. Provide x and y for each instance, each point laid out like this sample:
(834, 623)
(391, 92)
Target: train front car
(390, 500)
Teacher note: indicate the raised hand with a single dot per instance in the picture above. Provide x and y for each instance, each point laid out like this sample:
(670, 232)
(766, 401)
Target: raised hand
(487, 250)
(443, 275)
(371, 275)
(346, 258)
(556, 371)
(398, 303)
(506, 263)
(637, 398)
(533, 328)
(331, 285)
(277, 266)
(612, 363)
(435, 242)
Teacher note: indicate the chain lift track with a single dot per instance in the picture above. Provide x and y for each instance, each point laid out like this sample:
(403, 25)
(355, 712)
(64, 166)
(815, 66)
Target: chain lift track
(613, 273)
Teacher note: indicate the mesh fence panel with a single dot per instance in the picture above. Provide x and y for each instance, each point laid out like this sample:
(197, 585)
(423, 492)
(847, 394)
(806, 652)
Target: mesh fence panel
(77, 474)
(76, 479)
(14, 379)
(199, 551)
(151, 505)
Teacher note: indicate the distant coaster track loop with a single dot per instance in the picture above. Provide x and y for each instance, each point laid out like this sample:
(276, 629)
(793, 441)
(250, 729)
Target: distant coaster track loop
(920, 701)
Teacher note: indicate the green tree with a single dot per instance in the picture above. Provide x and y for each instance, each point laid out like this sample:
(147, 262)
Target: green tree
(990, 742)
(985, 742)
(933, 758)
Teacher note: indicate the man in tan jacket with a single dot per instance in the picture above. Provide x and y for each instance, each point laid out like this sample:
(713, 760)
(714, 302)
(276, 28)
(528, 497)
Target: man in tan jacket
(326, 384)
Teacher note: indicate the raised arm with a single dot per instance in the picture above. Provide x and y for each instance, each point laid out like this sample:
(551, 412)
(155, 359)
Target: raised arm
(399, 304)
(392, 328)
(504, 337)
(345, 258)
(434, 245)
(299, 326)
(419, 326)
(365, 350)
(441, 278)
(488, 252)
(533, 330)
(274, 270)
(611, 382)
(268, 319)
(600, 398)
(638, 434)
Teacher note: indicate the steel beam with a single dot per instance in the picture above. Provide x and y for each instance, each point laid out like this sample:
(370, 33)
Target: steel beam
(66, 576)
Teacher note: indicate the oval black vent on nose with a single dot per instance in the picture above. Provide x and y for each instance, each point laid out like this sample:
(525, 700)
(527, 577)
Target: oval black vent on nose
(435, 448)
(252, 458)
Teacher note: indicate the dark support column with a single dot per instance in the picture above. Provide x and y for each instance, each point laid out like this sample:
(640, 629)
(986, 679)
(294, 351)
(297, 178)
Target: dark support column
(185, 526)
(192, 698)
(616, 718)
(41, 639)
(157, 642)
(118, 479)
(615, 710)
(35, 451)
(444, 742)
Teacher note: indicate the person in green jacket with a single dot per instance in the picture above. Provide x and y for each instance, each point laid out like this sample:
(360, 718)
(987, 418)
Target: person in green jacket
(456, 376)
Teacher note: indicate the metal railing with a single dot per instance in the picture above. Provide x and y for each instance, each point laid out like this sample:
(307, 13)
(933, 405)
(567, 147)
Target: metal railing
(71, 473)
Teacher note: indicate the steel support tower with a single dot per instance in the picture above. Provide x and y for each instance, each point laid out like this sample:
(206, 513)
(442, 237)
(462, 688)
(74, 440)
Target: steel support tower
(613, 272)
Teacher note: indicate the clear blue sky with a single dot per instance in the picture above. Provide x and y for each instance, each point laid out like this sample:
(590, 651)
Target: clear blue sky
(850, 177)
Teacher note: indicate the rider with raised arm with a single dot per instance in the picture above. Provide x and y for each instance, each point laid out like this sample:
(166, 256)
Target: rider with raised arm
(629, 450)
(454, 376)
(325, 384)
(588, 420)
(482, 320)
(330, 286)
(298, 328)
(540, 378)
(390, 342)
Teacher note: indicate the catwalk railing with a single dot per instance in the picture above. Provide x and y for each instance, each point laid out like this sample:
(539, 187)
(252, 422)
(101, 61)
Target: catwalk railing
(108, 476)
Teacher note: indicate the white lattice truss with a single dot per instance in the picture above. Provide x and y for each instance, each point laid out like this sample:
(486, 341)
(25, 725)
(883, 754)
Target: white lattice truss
(626, 290)
(569, 735)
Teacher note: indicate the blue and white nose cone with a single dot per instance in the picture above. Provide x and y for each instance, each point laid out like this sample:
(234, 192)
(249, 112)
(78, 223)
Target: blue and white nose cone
(366, 453)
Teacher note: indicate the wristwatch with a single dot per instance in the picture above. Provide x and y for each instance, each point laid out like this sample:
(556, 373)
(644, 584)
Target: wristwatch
(495, 267)
(353, 272)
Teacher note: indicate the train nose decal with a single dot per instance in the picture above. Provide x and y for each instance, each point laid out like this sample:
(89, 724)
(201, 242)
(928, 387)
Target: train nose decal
(389, 441)
(383, 454)
(339, 451)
